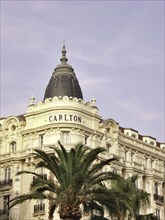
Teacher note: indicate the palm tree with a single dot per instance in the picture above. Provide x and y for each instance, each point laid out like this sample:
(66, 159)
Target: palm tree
(137, 197)
(77, 180)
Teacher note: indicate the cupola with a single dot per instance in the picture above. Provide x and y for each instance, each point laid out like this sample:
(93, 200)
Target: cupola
(63, 81)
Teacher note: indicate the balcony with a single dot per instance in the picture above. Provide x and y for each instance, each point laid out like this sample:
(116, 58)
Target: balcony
(158, 198)
(3, 214)
(39, 209)
(6, 184)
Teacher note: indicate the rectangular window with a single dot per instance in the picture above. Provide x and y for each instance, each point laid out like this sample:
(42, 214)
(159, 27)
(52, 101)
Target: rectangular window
(125, 155)
(86, 140)
(7, 173)
(65, 137)
(39, 207)
(108, 148)
(1, 147)
(137, 183)
(41, 140)
(41, 170)
(156, 188)
(158, 213)
(5, 202)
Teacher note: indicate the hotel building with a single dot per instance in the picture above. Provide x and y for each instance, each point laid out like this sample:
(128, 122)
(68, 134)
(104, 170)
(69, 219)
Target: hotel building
(64, 115)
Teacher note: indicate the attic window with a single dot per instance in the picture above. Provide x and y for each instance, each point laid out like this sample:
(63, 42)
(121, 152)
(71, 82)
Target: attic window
(152, 143)
(133, 135)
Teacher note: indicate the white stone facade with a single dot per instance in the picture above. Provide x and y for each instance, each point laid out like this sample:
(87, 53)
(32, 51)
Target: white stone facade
(71, 120)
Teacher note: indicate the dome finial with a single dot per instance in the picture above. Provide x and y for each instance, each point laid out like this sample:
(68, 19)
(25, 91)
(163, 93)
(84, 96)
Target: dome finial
(63, 58)
(63, 43)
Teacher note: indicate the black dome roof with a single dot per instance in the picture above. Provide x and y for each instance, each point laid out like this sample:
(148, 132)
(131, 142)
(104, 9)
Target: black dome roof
(63, 81)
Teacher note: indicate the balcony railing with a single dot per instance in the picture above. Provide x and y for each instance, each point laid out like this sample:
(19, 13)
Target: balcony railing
(3, 214)
(39, 209)
(158, 198)
(6, 184)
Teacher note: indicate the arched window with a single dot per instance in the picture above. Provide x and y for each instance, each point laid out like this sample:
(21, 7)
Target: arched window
(13, 146)
(152, 143)
(108, 147)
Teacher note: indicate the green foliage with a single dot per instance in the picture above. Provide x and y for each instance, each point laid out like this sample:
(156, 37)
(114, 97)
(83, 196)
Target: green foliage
(147, 217)
(78, 179)
(137, 197)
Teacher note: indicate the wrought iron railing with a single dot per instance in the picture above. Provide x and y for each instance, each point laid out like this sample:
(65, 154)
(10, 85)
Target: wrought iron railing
(3, 214)
(158, 198)
(39, 209)
(6, 183)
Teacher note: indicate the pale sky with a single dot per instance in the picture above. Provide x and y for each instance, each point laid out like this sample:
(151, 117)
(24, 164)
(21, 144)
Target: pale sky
(115, 47)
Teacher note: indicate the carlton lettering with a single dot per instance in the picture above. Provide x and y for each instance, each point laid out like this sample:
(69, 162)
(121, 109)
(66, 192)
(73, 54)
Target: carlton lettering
(65, 117)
